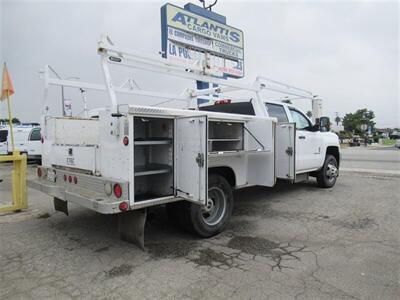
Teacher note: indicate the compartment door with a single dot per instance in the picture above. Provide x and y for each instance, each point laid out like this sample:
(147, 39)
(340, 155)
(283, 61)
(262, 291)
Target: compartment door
(286, 151)
(191, 155)
(260, 155)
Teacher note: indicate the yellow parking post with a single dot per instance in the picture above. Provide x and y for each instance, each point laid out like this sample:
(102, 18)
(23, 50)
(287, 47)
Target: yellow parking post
(18, 174)
(18, 179)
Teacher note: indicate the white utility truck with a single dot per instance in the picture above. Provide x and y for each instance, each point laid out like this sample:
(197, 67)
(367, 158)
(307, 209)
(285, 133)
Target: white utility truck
(129, 157)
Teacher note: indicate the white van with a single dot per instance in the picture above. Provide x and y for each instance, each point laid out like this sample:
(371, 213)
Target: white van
(26, 139)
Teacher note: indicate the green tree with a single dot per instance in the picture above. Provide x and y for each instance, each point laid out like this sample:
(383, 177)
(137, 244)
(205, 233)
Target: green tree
(14, 121)
(352, 121)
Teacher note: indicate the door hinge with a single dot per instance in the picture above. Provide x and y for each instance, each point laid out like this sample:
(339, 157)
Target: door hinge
(176, 190)
(289, 151)
(200, 160)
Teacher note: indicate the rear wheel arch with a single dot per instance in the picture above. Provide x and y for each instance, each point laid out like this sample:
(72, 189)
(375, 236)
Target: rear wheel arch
(226, 172)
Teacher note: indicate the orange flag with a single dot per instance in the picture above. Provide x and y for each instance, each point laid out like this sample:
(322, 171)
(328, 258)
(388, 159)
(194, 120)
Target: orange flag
(7, 88)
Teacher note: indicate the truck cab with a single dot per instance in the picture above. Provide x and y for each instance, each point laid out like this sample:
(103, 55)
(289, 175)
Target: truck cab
(312, 144)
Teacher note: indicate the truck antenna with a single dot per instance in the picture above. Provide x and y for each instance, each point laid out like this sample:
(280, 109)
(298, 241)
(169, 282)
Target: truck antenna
(209, 6)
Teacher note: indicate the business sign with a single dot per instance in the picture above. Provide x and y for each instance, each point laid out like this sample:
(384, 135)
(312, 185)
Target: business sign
(194, 34)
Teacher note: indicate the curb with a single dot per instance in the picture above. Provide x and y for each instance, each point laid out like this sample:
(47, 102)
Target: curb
(395, 173)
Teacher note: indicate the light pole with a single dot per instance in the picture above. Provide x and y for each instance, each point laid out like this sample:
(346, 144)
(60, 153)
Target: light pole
(62, 87)
(62, 93)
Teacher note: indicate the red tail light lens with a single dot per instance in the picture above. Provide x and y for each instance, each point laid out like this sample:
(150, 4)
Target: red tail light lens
(126, 141)
(69, 178)
(123, 206)
(39, 172)
(117, 190)
(223, 101)
(65, 177)
(75, 179)
(41, 139)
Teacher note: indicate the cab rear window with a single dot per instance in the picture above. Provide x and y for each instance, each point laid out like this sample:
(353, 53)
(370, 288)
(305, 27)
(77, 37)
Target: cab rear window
(242, 108)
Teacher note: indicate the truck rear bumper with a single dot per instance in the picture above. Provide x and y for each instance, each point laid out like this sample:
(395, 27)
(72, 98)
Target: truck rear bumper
(80, 197)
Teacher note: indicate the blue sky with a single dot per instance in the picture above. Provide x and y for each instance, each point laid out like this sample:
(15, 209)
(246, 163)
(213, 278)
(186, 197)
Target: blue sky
(346, 52)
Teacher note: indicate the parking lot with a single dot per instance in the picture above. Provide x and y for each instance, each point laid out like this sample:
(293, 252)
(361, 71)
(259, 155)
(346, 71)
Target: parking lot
(291, 241)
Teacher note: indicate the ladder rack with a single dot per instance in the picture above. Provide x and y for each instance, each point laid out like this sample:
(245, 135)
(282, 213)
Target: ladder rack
(113, 55)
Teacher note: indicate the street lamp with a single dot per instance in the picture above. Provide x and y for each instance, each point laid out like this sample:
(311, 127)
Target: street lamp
(62, 87)
(62, 93)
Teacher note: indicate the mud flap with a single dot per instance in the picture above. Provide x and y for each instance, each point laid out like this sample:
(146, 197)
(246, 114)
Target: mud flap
(131, 226)
(61, 205)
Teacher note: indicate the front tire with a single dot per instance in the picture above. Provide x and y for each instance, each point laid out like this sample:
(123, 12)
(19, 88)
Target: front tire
(327, 176)
(212, 218)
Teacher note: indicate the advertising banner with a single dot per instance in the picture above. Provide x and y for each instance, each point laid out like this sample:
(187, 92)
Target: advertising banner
(188, 38)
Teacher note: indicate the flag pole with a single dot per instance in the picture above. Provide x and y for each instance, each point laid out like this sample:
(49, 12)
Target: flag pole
(10, 121)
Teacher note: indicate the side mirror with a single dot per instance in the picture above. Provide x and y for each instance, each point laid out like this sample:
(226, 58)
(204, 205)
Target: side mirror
(324, 124)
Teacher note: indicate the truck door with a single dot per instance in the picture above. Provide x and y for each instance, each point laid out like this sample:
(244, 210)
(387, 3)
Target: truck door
(34, 145)
(308, 143)
(191, 158)
(285, 150)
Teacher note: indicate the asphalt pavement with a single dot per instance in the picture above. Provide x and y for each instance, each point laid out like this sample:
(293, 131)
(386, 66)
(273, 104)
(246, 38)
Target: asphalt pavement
(287, 242)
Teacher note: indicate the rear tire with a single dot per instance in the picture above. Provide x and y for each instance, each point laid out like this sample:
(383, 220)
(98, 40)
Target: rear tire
(327, 176)
(211, 219)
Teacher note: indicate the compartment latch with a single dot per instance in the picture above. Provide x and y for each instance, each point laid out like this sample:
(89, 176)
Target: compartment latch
(289, 151)
(200, 160)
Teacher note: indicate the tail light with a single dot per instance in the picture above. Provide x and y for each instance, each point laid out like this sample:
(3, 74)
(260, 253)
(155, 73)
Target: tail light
(223, 101)
(123, 206)
(65, 177)
(117, 190)
(126, 141)
(41, 139)
(39, 172)
(69, 178)
(75, 179)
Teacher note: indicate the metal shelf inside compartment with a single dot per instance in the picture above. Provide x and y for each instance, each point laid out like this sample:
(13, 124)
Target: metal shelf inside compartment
(151, 169)
(225, 140)
(153, 141)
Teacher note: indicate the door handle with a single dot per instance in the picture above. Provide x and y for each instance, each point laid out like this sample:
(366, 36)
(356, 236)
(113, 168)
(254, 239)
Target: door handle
(302, 137)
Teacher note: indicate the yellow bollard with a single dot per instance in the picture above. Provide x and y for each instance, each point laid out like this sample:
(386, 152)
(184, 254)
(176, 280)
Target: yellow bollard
(19, 200)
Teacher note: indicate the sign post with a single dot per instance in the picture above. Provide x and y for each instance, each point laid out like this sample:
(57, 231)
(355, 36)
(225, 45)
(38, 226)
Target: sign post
(18, 174)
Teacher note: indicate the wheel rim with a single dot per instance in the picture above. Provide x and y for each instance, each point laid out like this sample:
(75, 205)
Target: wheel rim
(214, 210)
(331, 172)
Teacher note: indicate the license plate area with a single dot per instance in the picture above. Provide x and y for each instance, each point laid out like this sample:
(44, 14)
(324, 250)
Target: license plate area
(51, 175)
